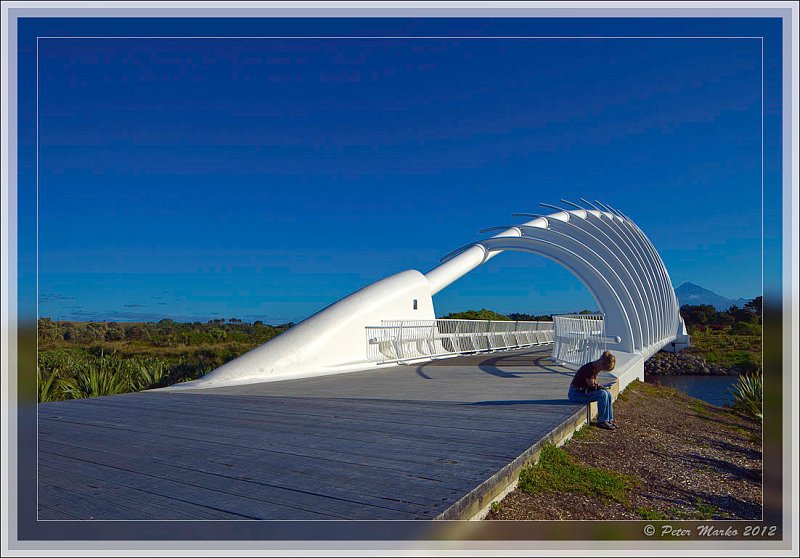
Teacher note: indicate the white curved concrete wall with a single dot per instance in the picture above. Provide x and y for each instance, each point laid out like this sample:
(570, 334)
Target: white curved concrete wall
(331, 341)
(605, 250)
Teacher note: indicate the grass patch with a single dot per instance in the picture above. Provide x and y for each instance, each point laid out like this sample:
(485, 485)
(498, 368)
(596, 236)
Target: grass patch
(656, 390)
(583, 433)
(496, 507)
(700, 409)
(680, 513)
(557, 471)
(705, 511)
(728, 349)
(651, 514)
(701, 511)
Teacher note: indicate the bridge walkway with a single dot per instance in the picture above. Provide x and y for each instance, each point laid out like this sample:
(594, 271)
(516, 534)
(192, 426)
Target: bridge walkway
(435, 440)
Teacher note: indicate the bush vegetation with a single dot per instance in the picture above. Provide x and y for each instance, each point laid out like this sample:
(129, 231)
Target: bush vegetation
(484, 314)
(730, 338)
(748, 395)
(88, 359)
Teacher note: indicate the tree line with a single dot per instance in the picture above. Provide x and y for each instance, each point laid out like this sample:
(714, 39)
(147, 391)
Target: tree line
(737, 321)
(486, 314)
(164, 333)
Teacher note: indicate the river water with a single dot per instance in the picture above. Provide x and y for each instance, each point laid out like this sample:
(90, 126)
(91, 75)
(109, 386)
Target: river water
(711, 389)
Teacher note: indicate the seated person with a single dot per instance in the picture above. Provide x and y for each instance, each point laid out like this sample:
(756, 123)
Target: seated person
(585, 389)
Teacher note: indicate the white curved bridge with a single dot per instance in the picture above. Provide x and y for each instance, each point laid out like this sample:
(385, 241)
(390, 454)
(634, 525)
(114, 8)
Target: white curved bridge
(602, 247)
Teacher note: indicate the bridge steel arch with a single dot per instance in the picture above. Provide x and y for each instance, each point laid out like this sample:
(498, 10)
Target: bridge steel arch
(609, 254)
(602, 247)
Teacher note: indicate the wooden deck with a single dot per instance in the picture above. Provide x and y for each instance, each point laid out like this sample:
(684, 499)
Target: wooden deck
(407, 442)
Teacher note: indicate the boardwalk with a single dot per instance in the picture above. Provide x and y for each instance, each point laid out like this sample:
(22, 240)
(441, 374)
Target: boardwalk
(408, 442)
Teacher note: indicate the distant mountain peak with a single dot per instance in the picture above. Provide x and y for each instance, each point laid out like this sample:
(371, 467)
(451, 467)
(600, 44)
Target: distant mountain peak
(690, 293)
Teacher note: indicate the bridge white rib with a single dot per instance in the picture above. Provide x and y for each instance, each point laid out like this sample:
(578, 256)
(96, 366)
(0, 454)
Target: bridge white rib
(643, 266)
(608, 299)
(607, 252)
(618, 246)
(599, 263)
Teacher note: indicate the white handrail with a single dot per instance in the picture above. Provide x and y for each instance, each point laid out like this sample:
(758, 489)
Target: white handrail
(404, 340)
(579, 338)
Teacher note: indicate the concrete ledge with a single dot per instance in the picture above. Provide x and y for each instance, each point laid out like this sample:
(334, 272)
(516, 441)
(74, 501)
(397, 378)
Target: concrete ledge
(477, 503)
(472, 505)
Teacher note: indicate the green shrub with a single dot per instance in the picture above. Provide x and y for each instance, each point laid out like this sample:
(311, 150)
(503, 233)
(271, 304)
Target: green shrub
(48, 386)
(748, 395)
(482, 314)
(745, 328)
(107, 375)
(69, 374)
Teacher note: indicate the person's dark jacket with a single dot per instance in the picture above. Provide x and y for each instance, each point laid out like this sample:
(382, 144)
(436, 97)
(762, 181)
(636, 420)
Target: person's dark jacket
(586, 377)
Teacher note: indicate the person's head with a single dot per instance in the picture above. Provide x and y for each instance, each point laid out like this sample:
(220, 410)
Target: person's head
(608, 361)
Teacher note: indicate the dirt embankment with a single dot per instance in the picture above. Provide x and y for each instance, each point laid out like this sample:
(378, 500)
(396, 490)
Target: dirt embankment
(673, 457)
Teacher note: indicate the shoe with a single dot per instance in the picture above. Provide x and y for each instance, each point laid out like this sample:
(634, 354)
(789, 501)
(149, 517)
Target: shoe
(606, 426)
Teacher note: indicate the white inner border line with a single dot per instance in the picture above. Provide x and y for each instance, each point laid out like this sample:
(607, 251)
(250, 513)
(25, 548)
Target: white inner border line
(300, 37)
(436, 37)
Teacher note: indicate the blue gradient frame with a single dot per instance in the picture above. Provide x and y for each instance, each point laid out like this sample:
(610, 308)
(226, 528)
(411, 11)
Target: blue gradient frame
(29, 29)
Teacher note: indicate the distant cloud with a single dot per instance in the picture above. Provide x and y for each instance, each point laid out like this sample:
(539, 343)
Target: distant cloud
(118, 316)
(135, 316)
(50, 297)
(82, 315)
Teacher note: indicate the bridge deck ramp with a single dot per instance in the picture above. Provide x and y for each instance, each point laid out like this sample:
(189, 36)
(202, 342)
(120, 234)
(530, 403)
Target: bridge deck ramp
(404, 442)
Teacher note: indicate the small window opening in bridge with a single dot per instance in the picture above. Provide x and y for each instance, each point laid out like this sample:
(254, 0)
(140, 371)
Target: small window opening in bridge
(415, 304)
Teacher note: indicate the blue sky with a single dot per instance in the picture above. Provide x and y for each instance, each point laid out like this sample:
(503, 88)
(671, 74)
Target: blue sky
(265, 179)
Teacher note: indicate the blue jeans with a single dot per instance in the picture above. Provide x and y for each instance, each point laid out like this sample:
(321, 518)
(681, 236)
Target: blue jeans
(605, 410)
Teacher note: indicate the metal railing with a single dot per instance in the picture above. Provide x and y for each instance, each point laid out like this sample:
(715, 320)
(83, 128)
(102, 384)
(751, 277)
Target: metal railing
(579, 338)
(400, 340)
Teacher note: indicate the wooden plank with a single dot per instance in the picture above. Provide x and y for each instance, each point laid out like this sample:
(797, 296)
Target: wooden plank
(288, 472)
(448, 433)
(80, 497)
(476, 419)
(182, 421)
(273, 499)
(419, 485)
(323, 405)
(468, 443)
(180, 490)
(279, 440)
(387, 446)
(433, 462)
(508, 415)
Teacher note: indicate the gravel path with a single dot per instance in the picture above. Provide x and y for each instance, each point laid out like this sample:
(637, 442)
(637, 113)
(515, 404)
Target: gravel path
(690, 460)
